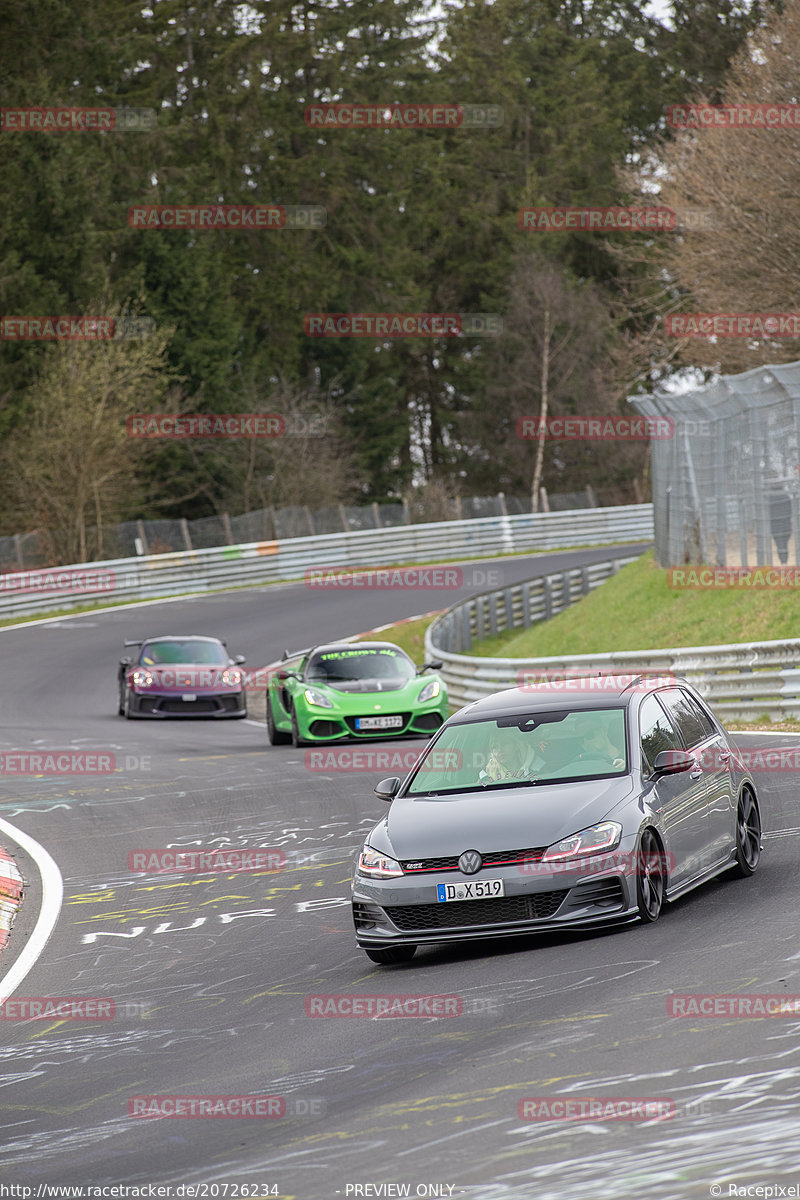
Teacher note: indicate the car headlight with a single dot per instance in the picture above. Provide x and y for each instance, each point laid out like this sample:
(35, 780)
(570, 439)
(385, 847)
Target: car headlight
(314, 697)
(232, 676)
(595, 840)
(379, 866)
(430, 691)
(142, 679)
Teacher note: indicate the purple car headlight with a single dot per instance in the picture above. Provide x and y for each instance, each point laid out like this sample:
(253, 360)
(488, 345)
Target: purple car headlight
(233, 677)
(142, 679)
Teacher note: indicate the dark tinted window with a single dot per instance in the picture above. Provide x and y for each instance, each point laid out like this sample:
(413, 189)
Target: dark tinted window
(657, 731)
(344, 666)
(183, 651)
(694, 725)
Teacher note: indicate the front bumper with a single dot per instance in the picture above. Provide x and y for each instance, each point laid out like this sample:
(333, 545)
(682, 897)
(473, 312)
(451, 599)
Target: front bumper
(155, 705)
(405, 911)
(325, 725)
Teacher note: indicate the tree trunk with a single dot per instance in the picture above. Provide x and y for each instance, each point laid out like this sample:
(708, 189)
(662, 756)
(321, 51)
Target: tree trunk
(537, 470)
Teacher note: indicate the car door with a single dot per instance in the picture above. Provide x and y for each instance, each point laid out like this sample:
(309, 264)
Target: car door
(702, 736)
(679, 799)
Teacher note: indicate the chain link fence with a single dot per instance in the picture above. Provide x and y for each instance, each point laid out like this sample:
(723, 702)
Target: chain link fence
(726, 484)
(131, 538)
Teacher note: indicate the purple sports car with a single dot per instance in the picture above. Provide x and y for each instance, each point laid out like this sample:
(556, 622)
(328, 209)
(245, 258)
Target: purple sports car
(181, 677)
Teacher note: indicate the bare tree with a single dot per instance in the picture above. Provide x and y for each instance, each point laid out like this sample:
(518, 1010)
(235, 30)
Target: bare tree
(70, 463)
(735, 191)
(554, 358)
(311, 462)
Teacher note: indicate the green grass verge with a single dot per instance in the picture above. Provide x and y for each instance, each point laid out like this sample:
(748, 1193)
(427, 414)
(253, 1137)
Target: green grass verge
(408, 635)
(637, 610)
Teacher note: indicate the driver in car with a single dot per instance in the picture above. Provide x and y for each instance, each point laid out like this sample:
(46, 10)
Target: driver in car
(509, 757)
(596, 744)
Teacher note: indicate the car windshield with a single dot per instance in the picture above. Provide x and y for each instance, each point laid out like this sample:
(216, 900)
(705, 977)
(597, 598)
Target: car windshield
(348, 666)
(184, 650)
(537, 747)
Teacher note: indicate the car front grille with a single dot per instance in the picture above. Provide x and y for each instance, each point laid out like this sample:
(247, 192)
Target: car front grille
(492, 858)
(536, 906)
(188, 706)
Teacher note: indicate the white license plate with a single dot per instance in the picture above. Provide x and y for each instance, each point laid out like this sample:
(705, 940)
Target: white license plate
(379, 722)
(477, 889)
(188, 696)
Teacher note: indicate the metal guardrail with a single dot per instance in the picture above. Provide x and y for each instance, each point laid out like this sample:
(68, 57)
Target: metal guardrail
(741, 681)
(145, 578)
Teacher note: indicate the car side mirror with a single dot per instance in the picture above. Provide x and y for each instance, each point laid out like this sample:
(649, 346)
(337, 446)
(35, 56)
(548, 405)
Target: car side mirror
(239, 659)
(435, 665)
(387, 789)
(125, 662)
(672, 762)
(282, 675)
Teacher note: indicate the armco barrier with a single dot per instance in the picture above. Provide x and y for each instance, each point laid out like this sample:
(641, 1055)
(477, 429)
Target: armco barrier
(223, 567)
(741, 681)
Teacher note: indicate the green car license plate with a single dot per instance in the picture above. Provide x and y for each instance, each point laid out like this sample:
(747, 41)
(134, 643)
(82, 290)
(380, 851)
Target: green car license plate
(483, 889)
(379, 722)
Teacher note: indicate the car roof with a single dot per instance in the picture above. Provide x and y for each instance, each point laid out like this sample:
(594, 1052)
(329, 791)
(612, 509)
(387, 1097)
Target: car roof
(601, 692)
(175, 637)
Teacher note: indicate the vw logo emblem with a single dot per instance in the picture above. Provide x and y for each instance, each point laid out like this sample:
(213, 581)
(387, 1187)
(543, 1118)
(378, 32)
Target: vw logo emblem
(470, 862)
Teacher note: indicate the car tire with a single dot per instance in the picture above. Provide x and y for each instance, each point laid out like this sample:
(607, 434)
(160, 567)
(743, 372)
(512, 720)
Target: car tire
(748, 835)
(277, 737)
(126, 706)
(388, 956)
(297, 741)
(651, 877)
(120, 703)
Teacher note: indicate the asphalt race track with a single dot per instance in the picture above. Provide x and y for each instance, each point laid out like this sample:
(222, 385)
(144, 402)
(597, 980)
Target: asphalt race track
(210, 973)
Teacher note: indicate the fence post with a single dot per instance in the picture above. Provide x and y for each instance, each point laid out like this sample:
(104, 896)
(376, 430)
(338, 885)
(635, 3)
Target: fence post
(343, 518)
(187, 541)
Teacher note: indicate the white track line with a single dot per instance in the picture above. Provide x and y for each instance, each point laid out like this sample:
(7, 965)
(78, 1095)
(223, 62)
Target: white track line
(52, 895)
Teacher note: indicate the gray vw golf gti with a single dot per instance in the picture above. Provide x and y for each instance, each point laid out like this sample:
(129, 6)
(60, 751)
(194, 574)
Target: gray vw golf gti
(569, 804)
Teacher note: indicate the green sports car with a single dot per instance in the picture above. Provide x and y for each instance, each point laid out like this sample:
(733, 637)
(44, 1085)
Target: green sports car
(345, 690)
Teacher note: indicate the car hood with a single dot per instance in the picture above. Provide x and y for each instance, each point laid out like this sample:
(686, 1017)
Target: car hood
(357, 686)
(517, 818)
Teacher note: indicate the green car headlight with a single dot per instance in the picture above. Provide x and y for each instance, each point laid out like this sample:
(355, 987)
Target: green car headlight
(379, 866)
(314, 697)
(430, 691)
